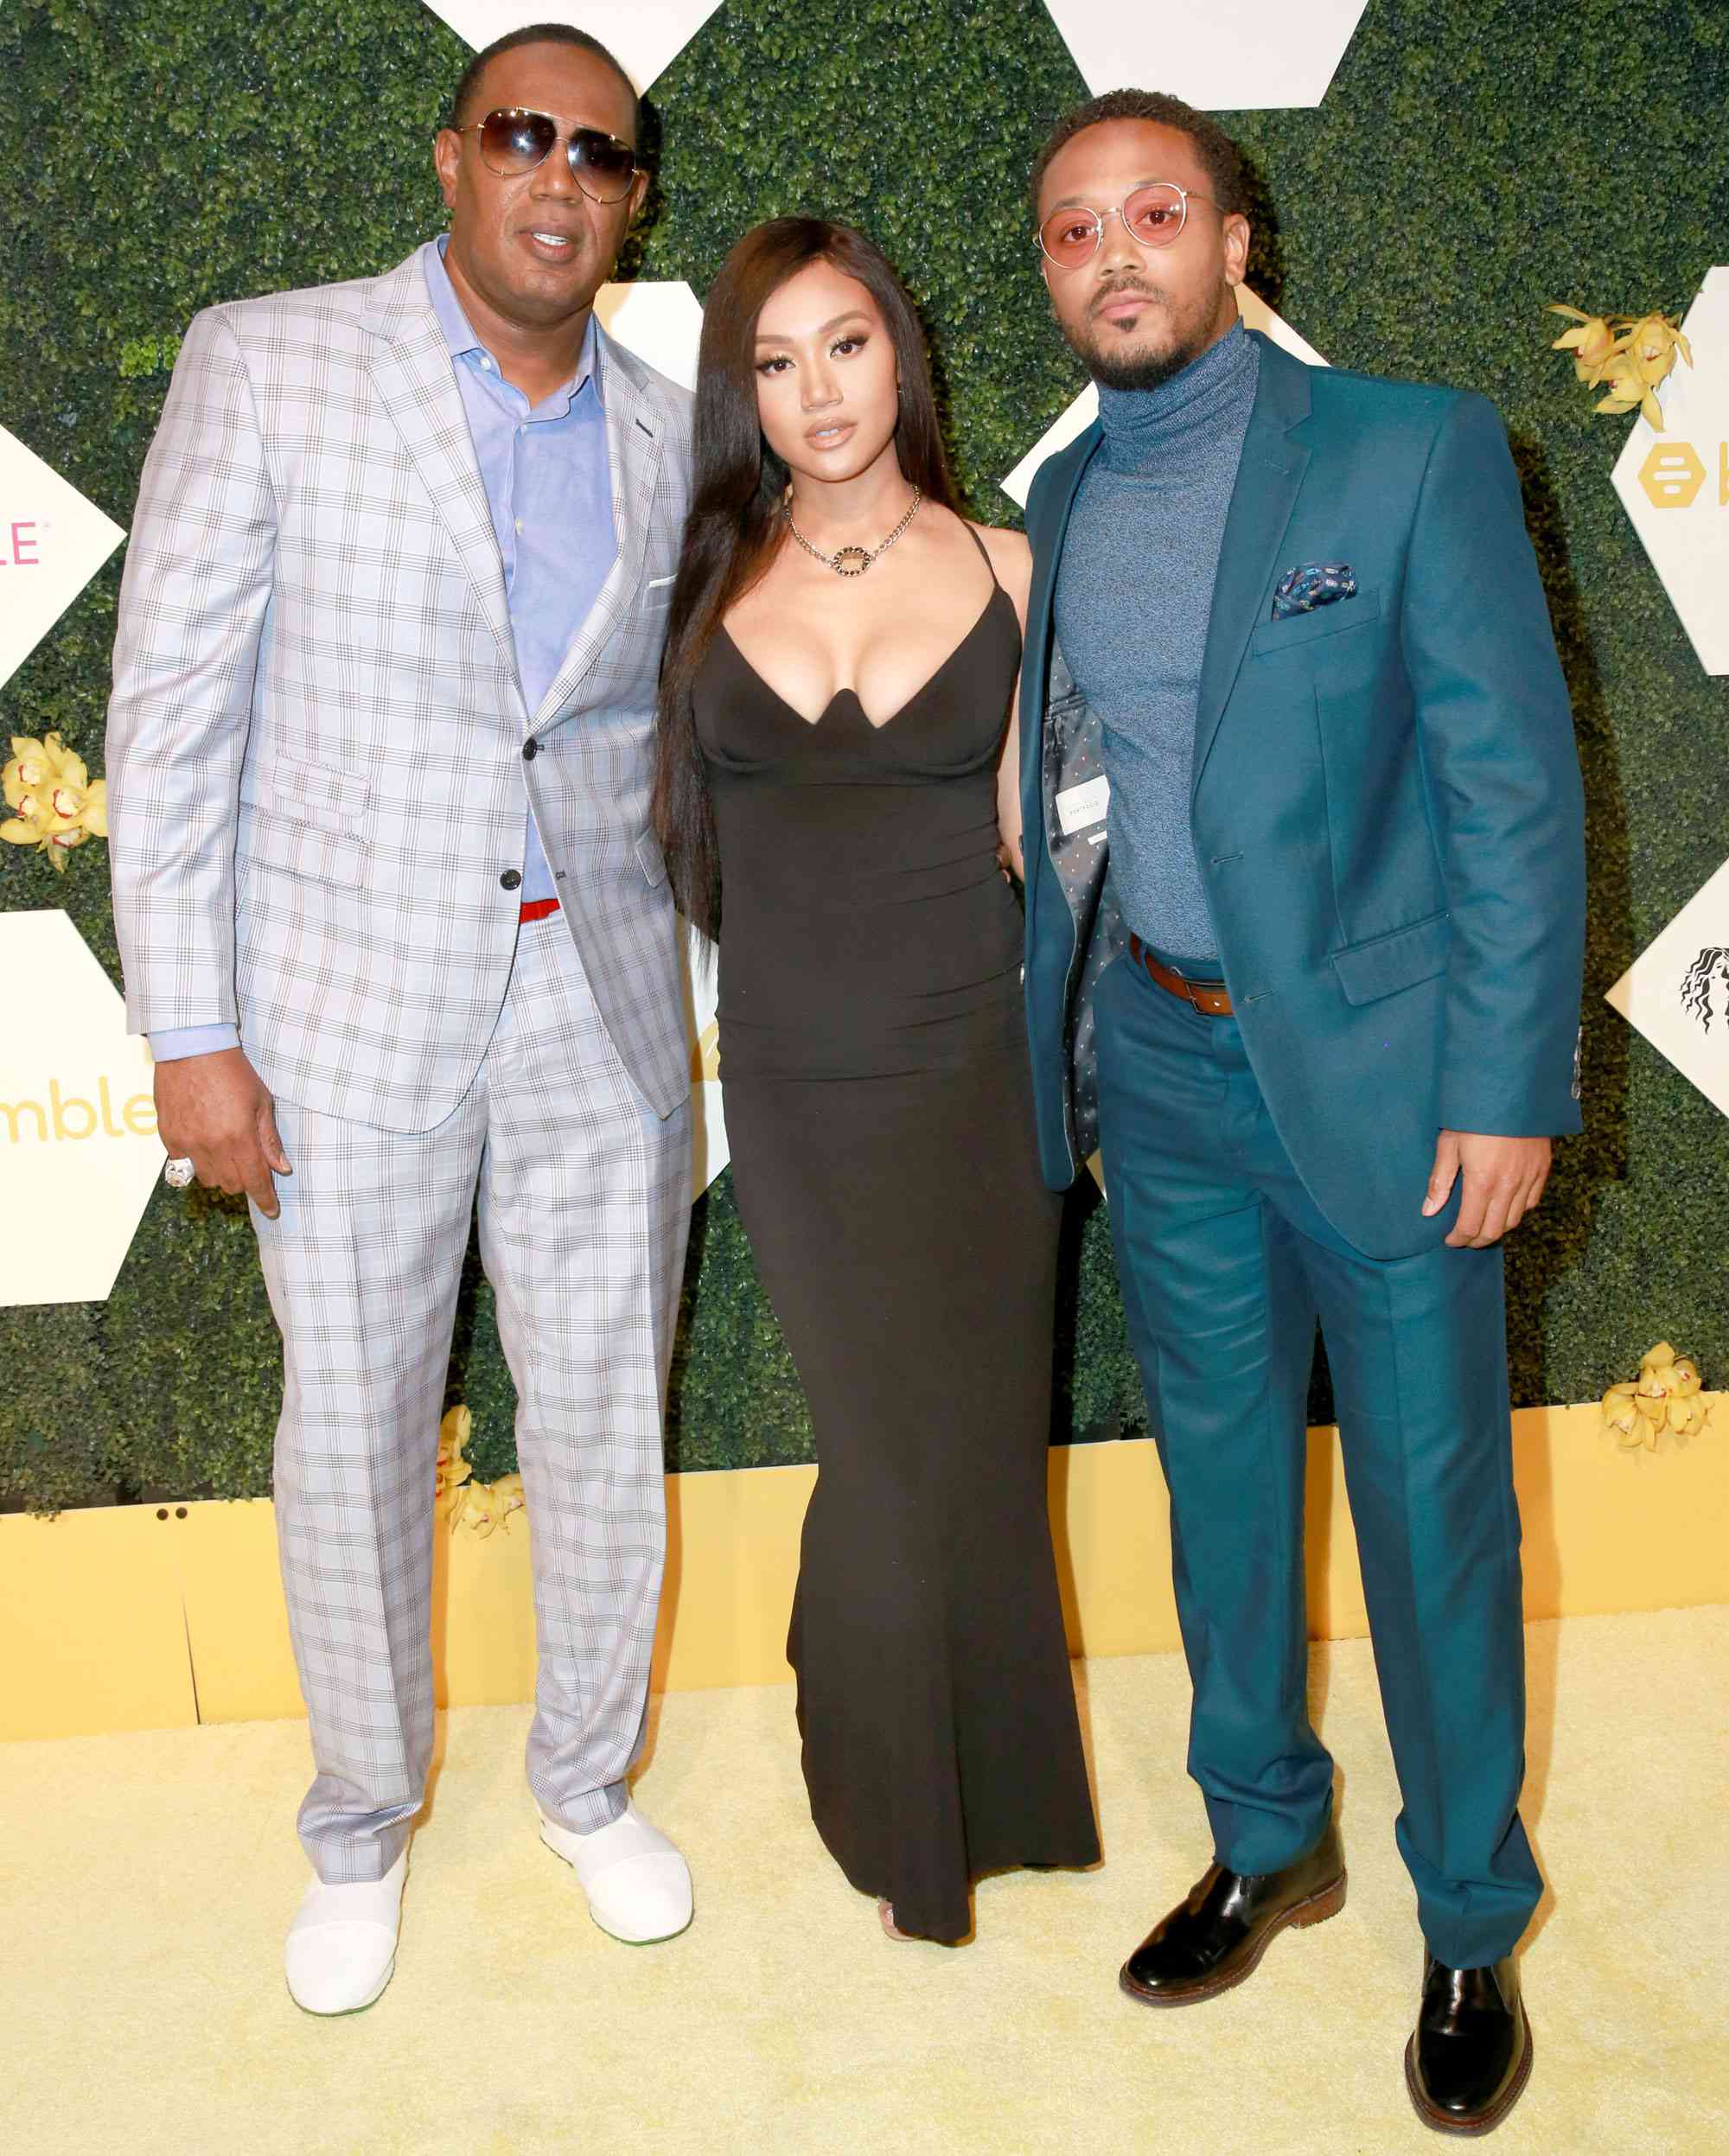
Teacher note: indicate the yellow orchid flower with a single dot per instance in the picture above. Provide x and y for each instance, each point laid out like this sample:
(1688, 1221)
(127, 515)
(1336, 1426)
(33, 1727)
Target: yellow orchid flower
(1620, 1415)
(453, 1469)
(1686, 1417)
(1653, 341)
(1664, 1397)
(1628, 390)
(41, 829)
(1591, 343)
(32, 767)
(21, 778)
(509, 1496)
(1630, 354)
(29, 778)
(58, 805)
(483, 1511)
(488, 1506)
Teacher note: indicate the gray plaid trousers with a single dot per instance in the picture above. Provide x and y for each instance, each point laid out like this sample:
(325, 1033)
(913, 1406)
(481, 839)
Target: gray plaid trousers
(583, 1198)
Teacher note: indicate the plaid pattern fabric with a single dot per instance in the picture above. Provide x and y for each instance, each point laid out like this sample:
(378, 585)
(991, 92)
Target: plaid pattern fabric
(315, 743)
(583, 1211)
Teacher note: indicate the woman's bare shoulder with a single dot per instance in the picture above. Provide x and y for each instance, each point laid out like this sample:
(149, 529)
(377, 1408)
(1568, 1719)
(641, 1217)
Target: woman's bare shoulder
(1011, 557)
(1010, 553)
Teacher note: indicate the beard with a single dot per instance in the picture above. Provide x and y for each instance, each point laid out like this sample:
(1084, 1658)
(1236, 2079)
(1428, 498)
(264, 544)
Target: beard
(1119, 362)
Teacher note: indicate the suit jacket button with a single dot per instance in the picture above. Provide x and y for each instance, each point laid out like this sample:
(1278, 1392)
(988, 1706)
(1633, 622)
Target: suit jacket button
(510, 880)
(530, 750)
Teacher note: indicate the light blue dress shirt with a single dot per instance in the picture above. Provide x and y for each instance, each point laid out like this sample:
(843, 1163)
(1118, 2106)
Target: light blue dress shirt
(549, 485)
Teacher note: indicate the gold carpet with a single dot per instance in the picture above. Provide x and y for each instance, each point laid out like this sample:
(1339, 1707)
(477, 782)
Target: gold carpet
(145, 1881)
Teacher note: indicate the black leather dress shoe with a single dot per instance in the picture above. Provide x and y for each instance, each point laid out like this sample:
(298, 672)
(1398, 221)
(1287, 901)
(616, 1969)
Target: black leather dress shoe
(1468, 2061)
(1214, 1938)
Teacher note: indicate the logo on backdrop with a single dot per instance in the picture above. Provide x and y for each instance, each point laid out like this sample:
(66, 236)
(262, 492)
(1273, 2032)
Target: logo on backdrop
(1710, 969)
(20, 540)
(1676, 992)
(52, 543)
(1673, 475)
(78, 1150)
(1674, 486)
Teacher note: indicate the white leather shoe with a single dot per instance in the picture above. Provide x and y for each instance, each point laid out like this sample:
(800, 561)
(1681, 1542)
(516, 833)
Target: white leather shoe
(638, 1886)
(341, 1946)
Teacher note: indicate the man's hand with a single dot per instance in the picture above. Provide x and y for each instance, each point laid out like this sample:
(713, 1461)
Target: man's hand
(215, 1111)
(1503, 1179)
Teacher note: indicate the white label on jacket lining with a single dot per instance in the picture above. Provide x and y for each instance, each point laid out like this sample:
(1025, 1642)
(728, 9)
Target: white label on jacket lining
(1079, 806)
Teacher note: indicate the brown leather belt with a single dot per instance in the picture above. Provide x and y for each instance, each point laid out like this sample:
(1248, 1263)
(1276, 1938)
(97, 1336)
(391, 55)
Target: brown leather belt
(1210, 998)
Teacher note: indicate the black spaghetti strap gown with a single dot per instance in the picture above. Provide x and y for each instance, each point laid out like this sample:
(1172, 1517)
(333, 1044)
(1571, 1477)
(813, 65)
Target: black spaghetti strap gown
(875, 1078)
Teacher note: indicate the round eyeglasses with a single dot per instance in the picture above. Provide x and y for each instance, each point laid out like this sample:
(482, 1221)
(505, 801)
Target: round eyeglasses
(514, 140)
(1153, 216)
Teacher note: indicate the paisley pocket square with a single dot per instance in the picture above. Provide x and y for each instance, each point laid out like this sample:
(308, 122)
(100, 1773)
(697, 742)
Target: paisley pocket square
(1316, 584)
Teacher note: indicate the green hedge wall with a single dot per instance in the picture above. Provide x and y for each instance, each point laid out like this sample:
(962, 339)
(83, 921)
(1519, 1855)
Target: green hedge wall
(1474, 159)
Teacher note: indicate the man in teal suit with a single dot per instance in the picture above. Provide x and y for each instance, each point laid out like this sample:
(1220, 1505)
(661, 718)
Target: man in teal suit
(1305, 925)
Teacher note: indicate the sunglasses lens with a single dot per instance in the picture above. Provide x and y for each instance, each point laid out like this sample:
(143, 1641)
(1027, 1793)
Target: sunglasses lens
(1069, 236)
(516, 141)
(605, 167)
(1154, 214)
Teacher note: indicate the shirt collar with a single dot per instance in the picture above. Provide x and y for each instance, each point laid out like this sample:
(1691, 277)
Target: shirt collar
(459, 331)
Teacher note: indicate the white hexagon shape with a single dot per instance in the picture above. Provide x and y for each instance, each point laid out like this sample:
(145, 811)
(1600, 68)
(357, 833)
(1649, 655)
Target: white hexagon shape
(1229, 56)
(1084, 411)
(52, 543)
(659, 320)
(644, 36)
(710, 1151)
(1674, 485)
(1676, 992)
(79, 1152)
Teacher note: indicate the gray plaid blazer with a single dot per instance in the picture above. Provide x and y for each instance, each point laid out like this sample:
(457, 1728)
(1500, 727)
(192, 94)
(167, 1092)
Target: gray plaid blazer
(318, 749)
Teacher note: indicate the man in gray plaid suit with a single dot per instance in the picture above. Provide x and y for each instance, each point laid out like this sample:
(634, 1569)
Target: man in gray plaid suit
(391, 912)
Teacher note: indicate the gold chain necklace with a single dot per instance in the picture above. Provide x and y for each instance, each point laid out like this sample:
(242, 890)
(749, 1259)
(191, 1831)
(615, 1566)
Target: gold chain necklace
(852, 561)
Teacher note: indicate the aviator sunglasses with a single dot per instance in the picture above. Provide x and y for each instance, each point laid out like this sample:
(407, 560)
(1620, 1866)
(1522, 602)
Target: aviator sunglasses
(513, 141)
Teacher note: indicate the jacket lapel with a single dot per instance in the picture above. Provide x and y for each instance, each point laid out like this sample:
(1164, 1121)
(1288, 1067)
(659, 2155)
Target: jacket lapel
(417, 384)
(636, 441)
(1269, 478)
(1052, 527)
(1047, 531)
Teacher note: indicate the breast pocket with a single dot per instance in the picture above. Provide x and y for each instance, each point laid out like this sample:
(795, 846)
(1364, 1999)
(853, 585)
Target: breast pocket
(1297, 631)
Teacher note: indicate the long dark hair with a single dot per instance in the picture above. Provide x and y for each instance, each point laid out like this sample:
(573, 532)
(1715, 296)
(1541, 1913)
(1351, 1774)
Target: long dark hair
(734, 526)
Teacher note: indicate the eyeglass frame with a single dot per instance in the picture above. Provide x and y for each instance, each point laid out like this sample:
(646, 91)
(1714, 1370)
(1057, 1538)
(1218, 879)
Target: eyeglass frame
(1098, 217)
(568, 137)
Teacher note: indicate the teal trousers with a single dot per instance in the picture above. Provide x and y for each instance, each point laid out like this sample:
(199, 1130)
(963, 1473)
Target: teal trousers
(1226, 1266)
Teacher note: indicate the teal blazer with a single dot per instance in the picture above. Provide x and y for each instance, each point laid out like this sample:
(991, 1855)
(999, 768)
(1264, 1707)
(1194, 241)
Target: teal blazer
(1385, 802)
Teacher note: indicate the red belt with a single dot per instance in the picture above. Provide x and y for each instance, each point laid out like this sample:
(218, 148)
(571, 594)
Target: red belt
(539, 908)
(1210, 998)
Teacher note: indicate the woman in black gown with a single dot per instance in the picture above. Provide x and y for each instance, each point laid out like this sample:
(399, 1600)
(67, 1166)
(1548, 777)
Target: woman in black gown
(832, 762)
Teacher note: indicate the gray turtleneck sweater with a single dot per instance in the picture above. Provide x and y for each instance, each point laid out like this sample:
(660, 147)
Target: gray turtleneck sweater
(1134, 594)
